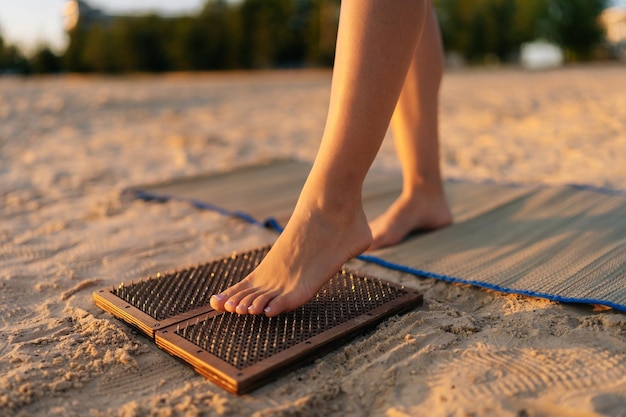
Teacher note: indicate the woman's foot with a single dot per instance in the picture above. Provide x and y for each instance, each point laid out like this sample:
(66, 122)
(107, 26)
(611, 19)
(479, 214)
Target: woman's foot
(313, 247)
(424, 208)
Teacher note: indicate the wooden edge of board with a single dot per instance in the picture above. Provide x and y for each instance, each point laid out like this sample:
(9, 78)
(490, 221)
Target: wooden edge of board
(241, 381)
(111, 303)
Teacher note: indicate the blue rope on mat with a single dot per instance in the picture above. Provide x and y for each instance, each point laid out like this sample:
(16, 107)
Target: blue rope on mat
(164, 198)
(273, 224)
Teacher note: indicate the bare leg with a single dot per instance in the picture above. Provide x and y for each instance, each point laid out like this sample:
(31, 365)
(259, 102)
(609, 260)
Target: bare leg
(375, 45)
(422, 205)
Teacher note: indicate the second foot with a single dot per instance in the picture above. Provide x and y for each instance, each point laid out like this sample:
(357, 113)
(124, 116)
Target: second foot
(427, 210)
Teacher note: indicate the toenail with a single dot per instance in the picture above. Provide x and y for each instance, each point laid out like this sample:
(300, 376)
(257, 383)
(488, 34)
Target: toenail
(250, 308)
(219, 297)
(230, 303)
(267, 309)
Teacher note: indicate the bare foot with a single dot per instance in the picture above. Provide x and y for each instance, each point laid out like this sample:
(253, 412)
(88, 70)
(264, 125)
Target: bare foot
(313, 247)
(424, 209)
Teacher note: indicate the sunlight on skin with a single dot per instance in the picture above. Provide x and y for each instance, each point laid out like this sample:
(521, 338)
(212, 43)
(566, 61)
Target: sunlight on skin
(377, 44)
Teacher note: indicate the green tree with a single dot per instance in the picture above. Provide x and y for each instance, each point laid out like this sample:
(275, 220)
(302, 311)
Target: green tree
(321, 31)
(214, 38)
(224, 35)
(73, 58)
(12, 59)
(143, 44)
(477, 28)
(44, 61)
(528, 22)
(574, 24)
(100, 52)
(287, 33)
(273, 33)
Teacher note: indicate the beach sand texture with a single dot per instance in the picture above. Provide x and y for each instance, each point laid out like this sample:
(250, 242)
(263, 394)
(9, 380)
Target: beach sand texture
(69, 145)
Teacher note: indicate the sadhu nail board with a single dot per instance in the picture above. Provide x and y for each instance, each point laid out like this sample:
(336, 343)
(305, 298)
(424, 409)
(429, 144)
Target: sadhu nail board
(242, 352)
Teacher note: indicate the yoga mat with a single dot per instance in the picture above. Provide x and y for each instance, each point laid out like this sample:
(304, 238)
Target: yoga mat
(564, 243)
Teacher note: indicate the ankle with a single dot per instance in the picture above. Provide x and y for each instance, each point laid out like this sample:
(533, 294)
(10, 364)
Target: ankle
(334, 214)
(421, 188)
(332, 199)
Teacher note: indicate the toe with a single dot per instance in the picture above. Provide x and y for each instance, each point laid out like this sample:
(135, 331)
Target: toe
(217, 301)
(247, 302)
(242, 308)
(234, 300)
(260, 301)
(275, 306)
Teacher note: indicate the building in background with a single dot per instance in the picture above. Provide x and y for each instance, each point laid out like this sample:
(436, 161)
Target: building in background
(541, 55)
(614, 22)
(77, 12)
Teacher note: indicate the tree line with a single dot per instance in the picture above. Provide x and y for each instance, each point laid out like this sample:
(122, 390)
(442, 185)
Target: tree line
(253, 34)
(224, 35)
(497, 28)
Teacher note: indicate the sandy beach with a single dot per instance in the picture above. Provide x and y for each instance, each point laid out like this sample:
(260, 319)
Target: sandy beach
(70, 144)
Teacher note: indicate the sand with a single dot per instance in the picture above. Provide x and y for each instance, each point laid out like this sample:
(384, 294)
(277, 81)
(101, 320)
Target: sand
(70, 144)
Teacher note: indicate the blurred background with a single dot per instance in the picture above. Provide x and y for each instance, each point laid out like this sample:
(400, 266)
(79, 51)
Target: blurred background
(109, 36)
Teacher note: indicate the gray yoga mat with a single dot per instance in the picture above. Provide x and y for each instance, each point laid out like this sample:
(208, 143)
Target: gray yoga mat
(562, 243)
